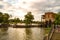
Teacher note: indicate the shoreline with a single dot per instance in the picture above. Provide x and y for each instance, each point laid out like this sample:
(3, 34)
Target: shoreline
(18, 26)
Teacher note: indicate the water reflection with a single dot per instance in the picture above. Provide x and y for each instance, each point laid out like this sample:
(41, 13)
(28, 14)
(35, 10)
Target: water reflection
(28, 34)
(3, 29)
(16, 33)
(3, 33)
(21, 34)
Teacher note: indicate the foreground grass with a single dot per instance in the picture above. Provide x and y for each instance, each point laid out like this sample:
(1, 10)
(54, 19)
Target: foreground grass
(47, 30)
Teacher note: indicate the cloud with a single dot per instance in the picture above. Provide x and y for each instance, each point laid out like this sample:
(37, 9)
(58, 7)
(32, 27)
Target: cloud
(1, 6)
(16, 7)
(1, 0)
(42, 6)
(4, 6)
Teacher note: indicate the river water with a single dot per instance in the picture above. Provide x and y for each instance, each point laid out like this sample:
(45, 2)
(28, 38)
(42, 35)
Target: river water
(21, 33)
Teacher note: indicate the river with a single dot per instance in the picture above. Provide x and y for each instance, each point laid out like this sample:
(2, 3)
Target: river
(21, 33)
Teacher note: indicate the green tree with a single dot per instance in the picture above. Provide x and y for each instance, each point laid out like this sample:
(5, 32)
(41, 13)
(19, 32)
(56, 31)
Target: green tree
(28, 18)
(6, 18)
(1, 17)
(16, 20)
(57, 18)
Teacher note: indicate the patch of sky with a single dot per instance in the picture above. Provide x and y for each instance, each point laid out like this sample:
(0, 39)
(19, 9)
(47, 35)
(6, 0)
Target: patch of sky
(1, 6)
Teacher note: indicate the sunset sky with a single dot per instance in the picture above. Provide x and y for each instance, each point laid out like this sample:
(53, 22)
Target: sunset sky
(18, 8)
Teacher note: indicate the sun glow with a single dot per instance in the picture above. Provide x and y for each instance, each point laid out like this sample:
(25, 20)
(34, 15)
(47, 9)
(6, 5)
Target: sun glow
(20, 14)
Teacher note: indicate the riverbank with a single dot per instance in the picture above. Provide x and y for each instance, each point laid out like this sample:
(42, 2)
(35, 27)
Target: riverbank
(46, 33)
(47, 30)
(19, 25)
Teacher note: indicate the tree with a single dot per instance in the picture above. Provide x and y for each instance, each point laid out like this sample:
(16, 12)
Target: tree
(16, 20)
(28, 18)
(1, 17)
(57, 18)
(6, 18)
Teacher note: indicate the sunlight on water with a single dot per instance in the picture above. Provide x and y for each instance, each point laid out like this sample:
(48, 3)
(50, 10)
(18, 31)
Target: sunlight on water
(22, 34)
(16, 33)
(37, 33)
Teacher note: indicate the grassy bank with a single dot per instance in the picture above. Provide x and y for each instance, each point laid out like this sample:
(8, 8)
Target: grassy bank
(47, 30)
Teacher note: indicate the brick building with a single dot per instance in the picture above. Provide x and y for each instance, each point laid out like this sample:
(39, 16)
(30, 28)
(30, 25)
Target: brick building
(48, 16)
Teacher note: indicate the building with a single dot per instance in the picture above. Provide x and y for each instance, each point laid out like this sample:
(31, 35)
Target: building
(48, 16)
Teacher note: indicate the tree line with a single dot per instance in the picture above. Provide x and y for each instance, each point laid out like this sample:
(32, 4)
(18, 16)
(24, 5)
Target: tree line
(4, 18)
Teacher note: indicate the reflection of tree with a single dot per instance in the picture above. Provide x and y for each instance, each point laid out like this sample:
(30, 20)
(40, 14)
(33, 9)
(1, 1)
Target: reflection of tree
(3, 33)
(28, 34)
(4, 29)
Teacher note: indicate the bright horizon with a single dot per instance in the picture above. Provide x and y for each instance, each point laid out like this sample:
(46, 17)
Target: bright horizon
(19, 8)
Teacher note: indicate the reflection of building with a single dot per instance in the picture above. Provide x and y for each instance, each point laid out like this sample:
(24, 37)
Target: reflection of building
(48, 16)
